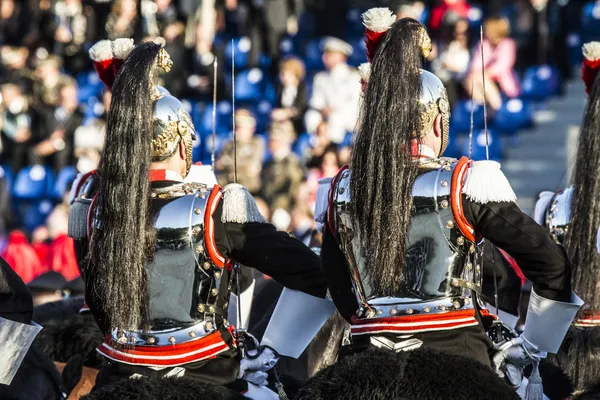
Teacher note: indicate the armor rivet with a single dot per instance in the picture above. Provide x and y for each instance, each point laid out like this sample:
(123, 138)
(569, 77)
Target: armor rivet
(192, 333)
(341, 190)
(478, 283)
(151, 340)
(213, 292)
(172, 339)
(467, 300)
(200, 307)
(477, 268)
(379, 312)
(456, 304)
(229, 287)
(197, 210)
(206, 265)
(443, 308)
(209, 326)
(469, 266)
(426, 309)
(202, 196)
(199, 249)
(393, 311)
(444, 183)
(454, 282)
(197, 230)
(122, 339)
(225, 305)
(217, 275)
(153, 195)
(131, 339)
(450, 224)
(472, 249)
(226, 323)
(409, 310)
(211, 309)
(448, 168)
(470, 285)
(460, 241)
(444, 204)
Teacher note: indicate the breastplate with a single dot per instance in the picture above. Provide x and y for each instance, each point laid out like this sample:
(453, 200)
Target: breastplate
(441, 264)
(557, 217)
(185, 287)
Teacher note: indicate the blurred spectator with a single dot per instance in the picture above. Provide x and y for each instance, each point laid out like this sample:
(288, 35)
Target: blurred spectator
(22, 257)
(336, 92)
(250, 154)
(199, 62)
(173, 35)
(263, 207)
(500, 55)
(292, 97)
(303, 224)
(283, 173)
(61, 254)
(13, 22)
(47, 76)
(16, 126)
(122, 19)
(72, 27)
(452, 63)
(13, 67)
(89, 139)
(414, 10)
(56, 146)
(157, 16)
(441, 11)
(320, 142)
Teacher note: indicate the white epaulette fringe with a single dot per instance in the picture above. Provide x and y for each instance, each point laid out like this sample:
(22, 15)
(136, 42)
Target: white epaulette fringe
(239, 206)
(485, 183)
(322, 200)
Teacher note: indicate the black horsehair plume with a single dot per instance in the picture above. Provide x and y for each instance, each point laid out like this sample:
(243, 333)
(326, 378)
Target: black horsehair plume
(383, 171)
(580, 241)
(122, 239)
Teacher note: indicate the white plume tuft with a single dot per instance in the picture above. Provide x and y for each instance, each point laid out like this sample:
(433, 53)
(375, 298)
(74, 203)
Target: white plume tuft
(485, 183)
(591, 51)
(122, 48)
(364, 70)
(101, 51)
(378, 19)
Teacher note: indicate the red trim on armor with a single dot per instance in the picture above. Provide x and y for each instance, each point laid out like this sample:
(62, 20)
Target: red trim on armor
(417, 323)
(330, 207)
(588, 318)
(82, 181)
(209, 232)
(167, 355)
(90, 213)
(456, 187)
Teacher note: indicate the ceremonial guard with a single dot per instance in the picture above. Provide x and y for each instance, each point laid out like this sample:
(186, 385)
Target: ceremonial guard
(159, 256)
(572, 217)
(404, 226)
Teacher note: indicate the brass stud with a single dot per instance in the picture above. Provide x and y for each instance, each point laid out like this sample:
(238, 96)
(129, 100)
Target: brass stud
(151, 340)
(226, 323)
(478, 283)
(393, 311)
(444, 204)
(199, 249)
(467, 300)
(460, 241)
(213, 292)
(197, 210)
(197, 230)
(209, 326)
(450, 224)
(203, 196)
(192, 333)
(341, 190)
(122, 339)
(426, 309)
(211, 309)
(217, 275)
(131, 339)
(172, 339)
(200, 307)
(206, 265)
(443, 307)
(409, 310)
(444, 183)
(469, 266)
(454, 282)
(456, 304)
(153, 195)
(379, 312)
(470, 285)
(472, 249)
(477, 268)
(225, 305)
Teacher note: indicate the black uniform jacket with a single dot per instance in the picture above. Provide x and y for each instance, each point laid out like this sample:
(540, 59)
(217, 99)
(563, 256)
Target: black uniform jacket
(255, 245)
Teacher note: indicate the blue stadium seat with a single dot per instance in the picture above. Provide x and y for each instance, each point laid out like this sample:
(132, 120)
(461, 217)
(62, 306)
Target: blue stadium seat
(515, 114)
(475, 16)
(33, 183)
(354, 25)
(262, 112)
(63, 181)
(250, 85)
(460, 119)
(89, 85)
(242, 52)
(574, 44)
(590, 21)
(33, 214)
(202, 117)
(540, 82)
(313, 53)
(287, 47)
(495, 145)
(359, 52)
(306, 24)
(302, 146)
(6, 173)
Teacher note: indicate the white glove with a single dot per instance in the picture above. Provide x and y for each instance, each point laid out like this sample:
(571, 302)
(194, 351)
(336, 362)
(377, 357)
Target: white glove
(513, 356)
(254, 367)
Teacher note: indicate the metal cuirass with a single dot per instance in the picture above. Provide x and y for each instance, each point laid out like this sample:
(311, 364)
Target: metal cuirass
(557, 216)
(442, 266)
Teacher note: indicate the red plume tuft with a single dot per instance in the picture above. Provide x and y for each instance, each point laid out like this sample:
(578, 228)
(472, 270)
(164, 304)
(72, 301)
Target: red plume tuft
(591, 64)
(377, 21)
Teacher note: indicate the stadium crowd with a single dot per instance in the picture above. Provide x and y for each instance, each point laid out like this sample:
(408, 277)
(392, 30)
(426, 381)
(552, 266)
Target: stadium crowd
(297, 93)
